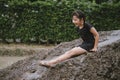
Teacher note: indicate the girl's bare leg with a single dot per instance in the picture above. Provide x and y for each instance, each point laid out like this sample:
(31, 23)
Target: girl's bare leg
(73, 52)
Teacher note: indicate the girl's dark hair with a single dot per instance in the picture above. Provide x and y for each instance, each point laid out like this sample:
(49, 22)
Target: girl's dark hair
(79, 14)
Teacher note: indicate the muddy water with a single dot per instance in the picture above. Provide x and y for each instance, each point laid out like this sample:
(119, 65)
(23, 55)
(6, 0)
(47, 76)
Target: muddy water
(8, 60)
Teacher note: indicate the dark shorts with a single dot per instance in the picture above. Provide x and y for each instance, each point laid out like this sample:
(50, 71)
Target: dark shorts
(87, 46)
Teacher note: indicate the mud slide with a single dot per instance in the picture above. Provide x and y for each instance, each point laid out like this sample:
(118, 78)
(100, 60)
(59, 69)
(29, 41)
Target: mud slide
(102, 65)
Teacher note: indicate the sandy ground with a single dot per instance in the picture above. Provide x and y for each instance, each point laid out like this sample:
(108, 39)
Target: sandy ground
(9, 60)
(6, 60)
(24, 46)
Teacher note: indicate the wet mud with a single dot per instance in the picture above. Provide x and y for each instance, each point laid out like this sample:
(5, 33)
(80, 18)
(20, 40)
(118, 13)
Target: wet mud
(102, 65)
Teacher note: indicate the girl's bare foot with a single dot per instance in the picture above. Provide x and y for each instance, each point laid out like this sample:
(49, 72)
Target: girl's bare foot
(46, 64)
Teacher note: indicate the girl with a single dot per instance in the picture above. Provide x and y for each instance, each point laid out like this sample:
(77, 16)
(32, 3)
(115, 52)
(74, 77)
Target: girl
(88, 34)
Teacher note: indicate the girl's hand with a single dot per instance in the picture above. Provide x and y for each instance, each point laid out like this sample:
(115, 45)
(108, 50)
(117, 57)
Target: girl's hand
(94, 50)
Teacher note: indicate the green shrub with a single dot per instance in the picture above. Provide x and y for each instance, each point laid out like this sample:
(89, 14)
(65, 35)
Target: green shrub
(51, 21)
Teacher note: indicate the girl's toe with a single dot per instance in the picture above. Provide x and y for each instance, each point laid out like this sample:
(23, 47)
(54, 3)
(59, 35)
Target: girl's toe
(44, 63)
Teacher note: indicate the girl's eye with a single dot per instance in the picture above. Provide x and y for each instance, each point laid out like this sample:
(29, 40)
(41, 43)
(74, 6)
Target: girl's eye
(75, 20)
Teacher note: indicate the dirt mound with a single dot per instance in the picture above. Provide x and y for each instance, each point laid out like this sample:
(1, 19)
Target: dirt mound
(103, 65)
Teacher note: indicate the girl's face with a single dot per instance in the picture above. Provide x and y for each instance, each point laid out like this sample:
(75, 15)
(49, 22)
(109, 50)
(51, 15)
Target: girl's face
(77, 21)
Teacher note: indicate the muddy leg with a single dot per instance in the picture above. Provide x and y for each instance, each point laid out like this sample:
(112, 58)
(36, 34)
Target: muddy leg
(73, 52)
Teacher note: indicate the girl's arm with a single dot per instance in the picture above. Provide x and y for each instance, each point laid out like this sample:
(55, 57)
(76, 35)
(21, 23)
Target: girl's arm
(96, 35)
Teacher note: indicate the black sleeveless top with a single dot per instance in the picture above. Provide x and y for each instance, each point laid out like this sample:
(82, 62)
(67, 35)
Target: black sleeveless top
(85, 33)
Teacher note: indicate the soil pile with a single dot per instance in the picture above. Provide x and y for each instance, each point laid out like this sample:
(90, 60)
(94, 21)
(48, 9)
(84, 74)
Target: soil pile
(102, 65)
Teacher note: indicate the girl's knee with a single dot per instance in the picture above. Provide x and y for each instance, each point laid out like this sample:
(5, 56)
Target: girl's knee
(73, 51)
(68, 52)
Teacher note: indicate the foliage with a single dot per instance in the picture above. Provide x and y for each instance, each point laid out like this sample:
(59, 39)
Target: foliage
(50, 21)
